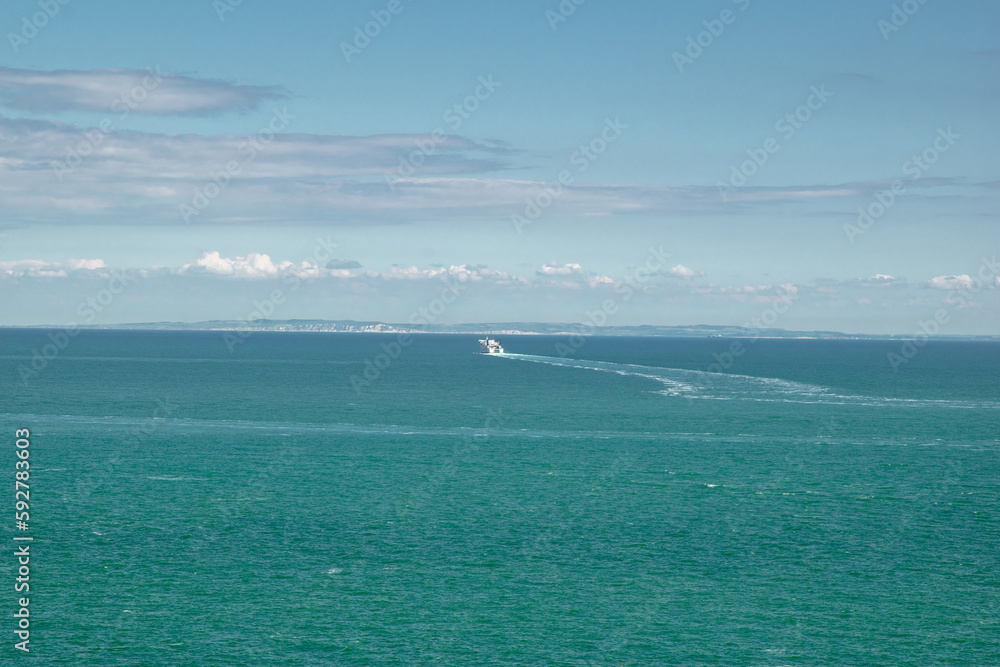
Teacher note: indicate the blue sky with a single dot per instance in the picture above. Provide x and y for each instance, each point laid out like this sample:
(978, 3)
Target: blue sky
(745, 158)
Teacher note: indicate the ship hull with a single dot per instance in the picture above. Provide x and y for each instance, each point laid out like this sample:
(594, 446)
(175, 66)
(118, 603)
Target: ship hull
(490, 346)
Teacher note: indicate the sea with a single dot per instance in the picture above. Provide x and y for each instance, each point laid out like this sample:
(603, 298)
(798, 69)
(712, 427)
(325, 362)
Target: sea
(374, 499)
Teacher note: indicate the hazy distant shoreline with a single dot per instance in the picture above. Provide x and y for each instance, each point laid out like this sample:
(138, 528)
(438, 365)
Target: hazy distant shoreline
(497, 329)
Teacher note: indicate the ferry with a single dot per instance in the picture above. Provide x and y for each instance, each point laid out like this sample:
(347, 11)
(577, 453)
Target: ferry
(490, 346)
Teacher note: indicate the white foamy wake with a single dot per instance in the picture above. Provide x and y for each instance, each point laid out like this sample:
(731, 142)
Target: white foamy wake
(694, 384)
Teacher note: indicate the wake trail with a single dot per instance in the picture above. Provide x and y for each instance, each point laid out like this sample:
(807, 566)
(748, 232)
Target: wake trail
(693, 384)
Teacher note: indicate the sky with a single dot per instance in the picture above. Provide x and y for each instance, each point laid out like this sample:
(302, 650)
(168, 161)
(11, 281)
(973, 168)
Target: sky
(812, 166)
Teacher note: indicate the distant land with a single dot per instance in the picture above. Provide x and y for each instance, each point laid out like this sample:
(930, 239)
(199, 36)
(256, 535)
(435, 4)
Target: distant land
(502, 329)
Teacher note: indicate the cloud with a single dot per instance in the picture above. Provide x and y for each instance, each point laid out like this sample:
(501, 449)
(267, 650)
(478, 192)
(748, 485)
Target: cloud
(573, 276)
(59, 174)
(461, 273)
(877, 280)
(746, 293)
(952, 282)
(254, 266)
(55, 173)
(224, 277)
(36, 268)
(85, 264)
(601, 281)
(343, 264)
(682, 271)
(260, 266)
(556, 269)
(148, 91)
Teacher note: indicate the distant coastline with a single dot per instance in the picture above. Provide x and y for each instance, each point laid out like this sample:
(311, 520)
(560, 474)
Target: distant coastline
(499, 329)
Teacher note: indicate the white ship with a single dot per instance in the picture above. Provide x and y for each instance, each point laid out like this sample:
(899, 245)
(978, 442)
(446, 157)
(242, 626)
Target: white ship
(490, 346)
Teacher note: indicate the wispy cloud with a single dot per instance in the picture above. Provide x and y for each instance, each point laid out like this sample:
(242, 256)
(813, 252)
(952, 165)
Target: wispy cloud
(131, 178)
(877, 280)
(37, 268)
(343, 264)
(140, 91)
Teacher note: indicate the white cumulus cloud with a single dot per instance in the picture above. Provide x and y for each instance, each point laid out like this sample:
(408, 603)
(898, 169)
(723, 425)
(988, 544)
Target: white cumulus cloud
(682, 271)
(253, 266)
(951, 282)
(556, 269)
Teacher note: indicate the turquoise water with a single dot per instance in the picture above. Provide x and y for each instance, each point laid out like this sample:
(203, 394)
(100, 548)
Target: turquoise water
(192, 505)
